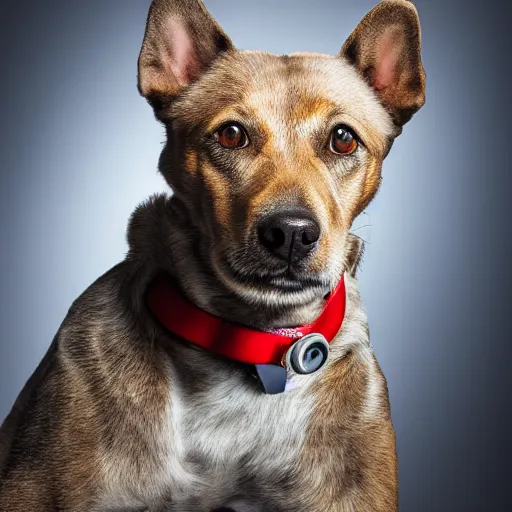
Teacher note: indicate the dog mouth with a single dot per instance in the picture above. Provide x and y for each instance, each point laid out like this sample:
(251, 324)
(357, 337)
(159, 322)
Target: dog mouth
(287, 280)
(262, 280)
(257, 276)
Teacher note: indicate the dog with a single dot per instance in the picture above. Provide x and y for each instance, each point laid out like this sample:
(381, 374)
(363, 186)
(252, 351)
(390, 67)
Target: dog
(225, 364)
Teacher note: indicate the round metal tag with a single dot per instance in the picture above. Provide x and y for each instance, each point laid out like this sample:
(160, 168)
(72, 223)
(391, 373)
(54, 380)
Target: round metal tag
(308, 354)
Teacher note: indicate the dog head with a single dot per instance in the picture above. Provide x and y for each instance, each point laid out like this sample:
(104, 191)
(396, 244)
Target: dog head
(271, 157)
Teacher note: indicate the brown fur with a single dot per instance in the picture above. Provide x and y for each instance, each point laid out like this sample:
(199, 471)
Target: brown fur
(121, 415)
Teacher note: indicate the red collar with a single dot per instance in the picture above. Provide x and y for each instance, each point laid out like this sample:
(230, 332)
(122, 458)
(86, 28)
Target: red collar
(234, 341)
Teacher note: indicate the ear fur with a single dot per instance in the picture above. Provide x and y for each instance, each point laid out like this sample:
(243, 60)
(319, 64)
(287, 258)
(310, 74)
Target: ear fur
(181, 41)
(385, 48)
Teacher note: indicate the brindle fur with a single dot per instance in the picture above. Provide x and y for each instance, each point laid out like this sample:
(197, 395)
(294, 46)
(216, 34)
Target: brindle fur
(120, 415)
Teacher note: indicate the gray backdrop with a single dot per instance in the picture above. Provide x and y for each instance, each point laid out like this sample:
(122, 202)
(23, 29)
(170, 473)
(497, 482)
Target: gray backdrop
(79, 149)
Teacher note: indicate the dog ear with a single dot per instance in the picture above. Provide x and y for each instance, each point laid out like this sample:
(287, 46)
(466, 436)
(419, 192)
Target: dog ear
(355, 251)
(385, 48)
(181, 41)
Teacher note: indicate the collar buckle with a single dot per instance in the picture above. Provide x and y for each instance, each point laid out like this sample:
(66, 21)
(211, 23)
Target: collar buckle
(308, 354)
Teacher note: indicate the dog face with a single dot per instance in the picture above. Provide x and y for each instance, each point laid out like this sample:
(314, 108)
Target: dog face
(272, 157)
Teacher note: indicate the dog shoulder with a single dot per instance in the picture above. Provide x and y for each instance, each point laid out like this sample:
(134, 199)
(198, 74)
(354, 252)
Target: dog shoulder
(351, 420)
(74, 420)
(20, 411)
(351, 426)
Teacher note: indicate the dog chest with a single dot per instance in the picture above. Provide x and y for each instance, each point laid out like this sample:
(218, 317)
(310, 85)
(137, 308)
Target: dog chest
(230, 436)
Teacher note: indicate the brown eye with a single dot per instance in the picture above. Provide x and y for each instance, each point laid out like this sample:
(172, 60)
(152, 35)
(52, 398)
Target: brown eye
(343, 140)
(231, 136)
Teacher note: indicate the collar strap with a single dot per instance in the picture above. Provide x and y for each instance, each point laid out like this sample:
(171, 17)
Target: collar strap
(234, 341)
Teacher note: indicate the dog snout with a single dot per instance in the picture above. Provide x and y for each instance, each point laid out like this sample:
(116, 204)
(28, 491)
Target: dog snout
(290, 234)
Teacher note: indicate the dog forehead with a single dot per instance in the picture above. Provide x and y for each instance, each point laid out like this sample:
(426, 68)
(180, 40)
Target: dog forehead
(306, 86)
(285, 91)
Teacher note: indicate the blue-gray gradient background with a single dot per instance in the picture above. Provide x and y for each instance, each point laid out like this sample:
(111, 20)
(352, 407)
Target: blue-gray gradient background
(79, 149)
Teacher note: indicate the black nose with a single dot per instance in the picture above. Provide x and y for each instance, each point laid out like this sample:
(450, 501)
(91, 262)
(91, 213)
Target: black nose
(289, 234)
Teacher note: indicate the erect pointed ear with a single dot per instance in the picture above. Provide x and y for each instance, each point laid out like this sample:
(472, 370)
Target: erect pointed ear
(385, 48)
(181, 41)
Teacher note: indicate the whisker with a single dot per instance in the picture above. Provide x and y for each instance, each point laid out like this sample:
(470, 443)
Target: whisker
(361, 227)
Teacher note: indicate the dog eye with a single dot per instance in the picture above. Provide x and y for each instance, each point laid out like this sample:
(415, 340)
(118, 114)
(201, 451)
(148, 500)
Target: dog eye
(343, 140)
(231, 136)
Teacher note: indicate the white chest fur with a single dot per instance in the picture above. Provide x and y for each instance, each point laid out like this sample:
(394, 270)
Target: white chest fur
(230, 438)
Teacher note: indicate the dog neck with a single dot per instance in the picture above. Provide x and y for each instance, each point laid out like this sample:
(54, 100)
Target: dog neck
(161, 236)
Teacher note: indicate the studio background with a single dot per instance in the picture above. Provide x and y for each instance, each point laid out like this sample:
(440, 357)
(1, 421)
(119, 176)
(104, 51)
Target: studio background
(79, 150)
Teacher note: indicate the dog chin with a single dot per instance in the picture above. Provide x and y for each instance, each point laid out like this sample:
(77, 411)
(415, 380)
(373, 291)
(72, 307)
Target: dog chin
(276, 291)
